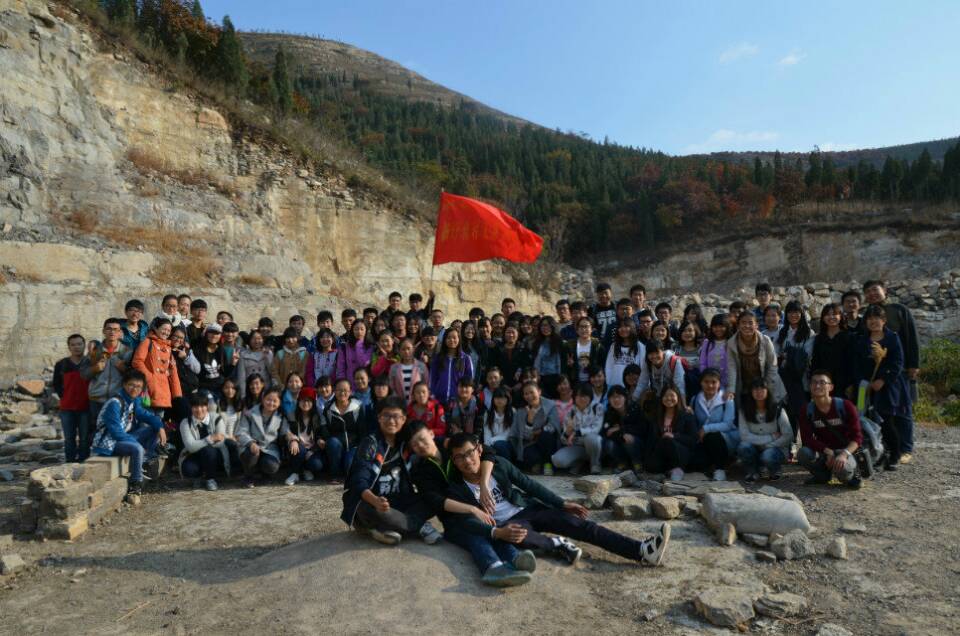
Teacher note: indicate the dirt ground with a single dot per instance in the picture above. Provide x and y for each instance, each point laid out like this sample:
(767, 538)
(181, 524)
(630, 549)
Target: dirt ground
(278, 560)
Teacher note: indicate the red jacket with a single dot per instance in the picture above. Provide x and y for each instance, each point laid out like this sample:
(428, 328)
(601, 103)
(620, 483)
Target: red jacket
(70, 385)
(433, 417)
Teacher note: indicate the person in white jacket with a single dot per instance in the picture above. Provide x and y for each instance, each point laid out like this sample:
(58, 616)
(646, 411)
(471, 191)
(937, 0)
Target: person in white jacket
(580, 438)
(659, 368)
(204, 443)
(765, 433)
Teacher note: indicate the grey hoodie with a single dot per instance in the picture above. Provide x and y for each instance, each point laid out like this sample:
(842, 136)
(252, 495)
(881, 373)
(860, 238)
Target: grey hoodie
(105, 384)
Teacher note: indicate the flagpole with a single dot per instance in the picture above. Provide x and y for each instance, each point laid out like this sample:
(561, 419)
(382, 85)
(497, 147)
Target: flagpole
(432, 264)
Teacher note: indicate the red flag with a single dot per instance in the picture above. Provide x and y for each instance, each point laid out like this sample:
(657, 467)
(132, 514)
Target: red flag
(469, 230)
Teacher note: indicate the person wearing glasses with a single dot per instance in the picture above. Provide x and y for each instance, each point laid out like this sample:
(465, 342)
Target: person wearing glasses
(523, 509)
(379, 497)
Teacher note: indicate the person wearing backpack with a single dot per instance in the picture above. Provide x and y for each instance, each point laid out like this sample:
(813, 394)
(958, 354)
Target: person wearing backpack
(660, 368)
(765, 434)
(291, 358)
(831, 434)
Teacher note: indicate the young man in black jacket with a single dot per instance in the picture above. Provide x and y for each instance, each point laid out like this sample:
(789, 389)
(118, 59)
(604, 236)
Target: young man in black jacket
(499, 561)
(521, 503)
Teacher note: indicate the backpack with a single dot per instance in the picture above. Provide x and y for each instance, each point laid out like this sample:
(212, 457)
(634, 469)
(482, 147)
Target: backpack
(871, 453)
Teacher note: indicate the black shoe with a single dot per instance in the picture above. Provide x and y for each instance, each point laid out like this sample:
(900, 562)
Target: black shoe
(815, 481)
(569, 551)
(890, 466)
(135, 488)
(855, 483)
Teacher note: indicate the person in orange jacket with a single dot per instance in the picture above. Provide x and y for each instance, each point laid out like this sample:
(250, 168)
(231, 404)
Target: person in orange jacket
(154, 358)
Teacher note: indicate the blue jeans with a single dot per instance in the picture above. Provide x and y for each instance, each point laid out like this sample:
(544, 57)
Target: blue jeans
(621, 452)
(338, 459)
(300, 462)
(754, 458)
(76, 424)
(485, 551)
(93, 414)
(145, 446)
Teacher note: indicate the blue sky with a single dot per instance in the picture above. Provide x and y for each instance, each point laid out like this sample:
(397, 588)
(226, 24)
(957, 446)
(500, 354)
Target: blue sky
(682, 77)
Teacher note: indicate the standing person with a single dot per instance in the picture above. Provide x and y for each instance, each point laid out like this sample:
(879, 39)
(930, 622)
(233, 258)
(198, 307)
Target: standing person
(379, 497)
(831, 434)
(548, 355)
(322, 361)
(417, 312)
(713, 352)
(604, 313)
(198, 324)
(407, 372)
(688, 348)
(188, 368)
(304, 439)
(288, 399)
(564, 318)
(664, 314)
(512, 358)
(448, 367)
(832, 348)
(290, 358)
(354, 352)
(108, 360)
(851, 302)
(694, 313)
(135, 329)
(256, 359)
(581, 353)
(427, 347)
(598, 381)
(535, 428)
(498, 421)
(660, 368)
(183, 308)
(750, 354)
(155, 359)
(230, 341)
(383, 356)
(214, 365)
(580, 439)
(794, 346)
(878, 356)
(638, 298)
(624, 350)
(126, 429)
(564, 401)
(169, 309)
(473, 346)
(644, 324)
(716, 415)
(204, 438)
(343, 428)
(253, 392)
(71, 389)
(900, 321)
(765, 434)
(764, 295)
(670, 439)
(257, 433)
(772, 321)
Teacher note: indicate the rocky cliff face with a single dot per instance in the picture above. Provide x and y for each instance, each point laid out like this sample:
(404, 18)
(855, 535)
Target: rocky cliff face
(114, 185)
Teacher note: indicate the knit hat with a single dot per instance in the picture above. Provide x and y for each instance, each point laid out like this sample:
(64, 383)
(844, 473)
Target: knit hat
(214, 327)
(307, 393)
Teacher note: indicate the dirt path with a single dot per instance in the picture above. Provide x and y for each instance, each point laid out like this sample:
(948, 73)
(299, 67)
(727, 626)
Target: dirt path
(278, 560)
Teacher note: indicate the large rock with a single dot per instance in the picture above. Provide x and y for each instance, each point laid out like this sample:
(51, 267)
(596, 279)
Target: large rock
(701, 490)
(837, 548)
(39, 432)
(634, 507)
(793, 545)
(753, 513)
(31, 387)
(11, 564)
(780, 605)
(596, 489)
(665, 507)
(727, 606)
(832, 629)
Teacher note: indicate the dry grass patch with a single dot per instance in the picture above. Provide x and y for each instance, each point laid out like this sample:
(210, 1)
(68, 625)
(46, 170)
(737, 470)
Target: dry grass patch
(148, 163)
(254, 280)
(189, 268)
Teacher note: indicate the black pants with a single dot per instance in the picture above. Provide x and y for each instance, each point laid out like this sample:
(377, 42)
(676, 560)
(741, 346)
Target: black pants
(540, 451)
(715, 453)
(538, 518)
(407, 515)
(666, 455)
(266, 463)
(891, 436)
(204, 462)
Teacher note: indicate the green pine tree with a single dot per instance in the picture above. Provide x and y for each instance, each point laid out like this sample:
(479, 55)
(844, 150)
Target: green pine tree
(281, 80)
(231, 68)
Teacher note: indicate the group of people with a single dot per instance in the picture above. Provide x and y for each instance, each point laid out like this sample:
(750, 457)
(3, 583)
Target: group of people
(419, 418)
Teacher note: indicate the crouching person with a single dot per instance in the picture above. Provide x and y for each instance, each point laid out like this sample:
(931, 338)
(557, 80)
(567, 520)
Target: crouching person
(125, 428)
(257, 434)
(765, 434)
(204, 436)
(523, 509)
(831, 434)
(499, 561)
(379, 498)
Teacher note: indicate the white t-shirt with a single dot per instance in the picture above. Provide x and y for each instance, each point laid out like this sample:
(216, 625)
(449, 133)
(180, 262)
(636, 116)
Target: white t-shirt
(501, 429)
(504, 510)
(583, 361)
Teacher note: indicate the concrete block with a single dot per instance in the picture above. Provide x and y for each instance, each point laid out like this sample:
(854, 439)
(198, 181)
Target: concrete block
(67, 529)
(27, 515)
(61, 503)
(96, 466)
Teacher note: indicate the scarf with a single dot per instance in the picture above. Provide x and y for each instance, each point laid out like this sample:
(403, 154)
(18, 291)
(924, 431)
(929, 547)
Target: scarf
(749, 360)
(708, 405)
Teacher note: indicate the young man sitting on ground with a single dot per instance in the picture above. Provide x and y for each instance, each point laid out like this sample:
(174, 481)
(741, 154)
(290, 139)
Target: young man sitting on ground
(379, 498)
(499, 560)
(831, 434)
(521, 503)
(125, 428)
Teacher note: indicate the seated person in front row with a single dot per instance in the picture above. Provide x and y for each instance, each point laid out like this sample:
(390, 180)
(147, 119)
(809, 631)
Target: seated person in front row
(126, 429)
(521, 504)
(379, 497)
(831, 434)
(499, 560)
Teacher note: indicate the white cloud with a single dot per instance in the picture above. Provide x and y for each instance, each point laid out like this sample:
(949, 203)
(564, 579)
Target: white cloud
(792, 58)
(725, 139)
(829, 146)
(739, 51)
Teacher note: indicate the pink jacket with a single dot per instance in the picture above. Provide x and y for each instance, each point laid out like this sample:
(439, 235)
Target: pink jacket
(419, 374)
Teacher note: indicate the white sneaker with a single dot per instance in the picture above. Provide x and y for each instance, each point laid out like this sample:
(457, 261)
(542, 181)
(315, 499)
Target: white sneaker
(292, 480)
(429, 534)
(211, 485)
(676, 474)
(719, 475)
(307, 475)
(386, 537)
(653, 549)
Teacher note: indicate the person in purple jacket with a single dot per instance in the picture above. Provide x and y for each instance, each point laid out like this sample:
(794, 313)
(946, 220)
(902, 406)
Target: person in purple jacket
(448, 367)
(354, 352)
